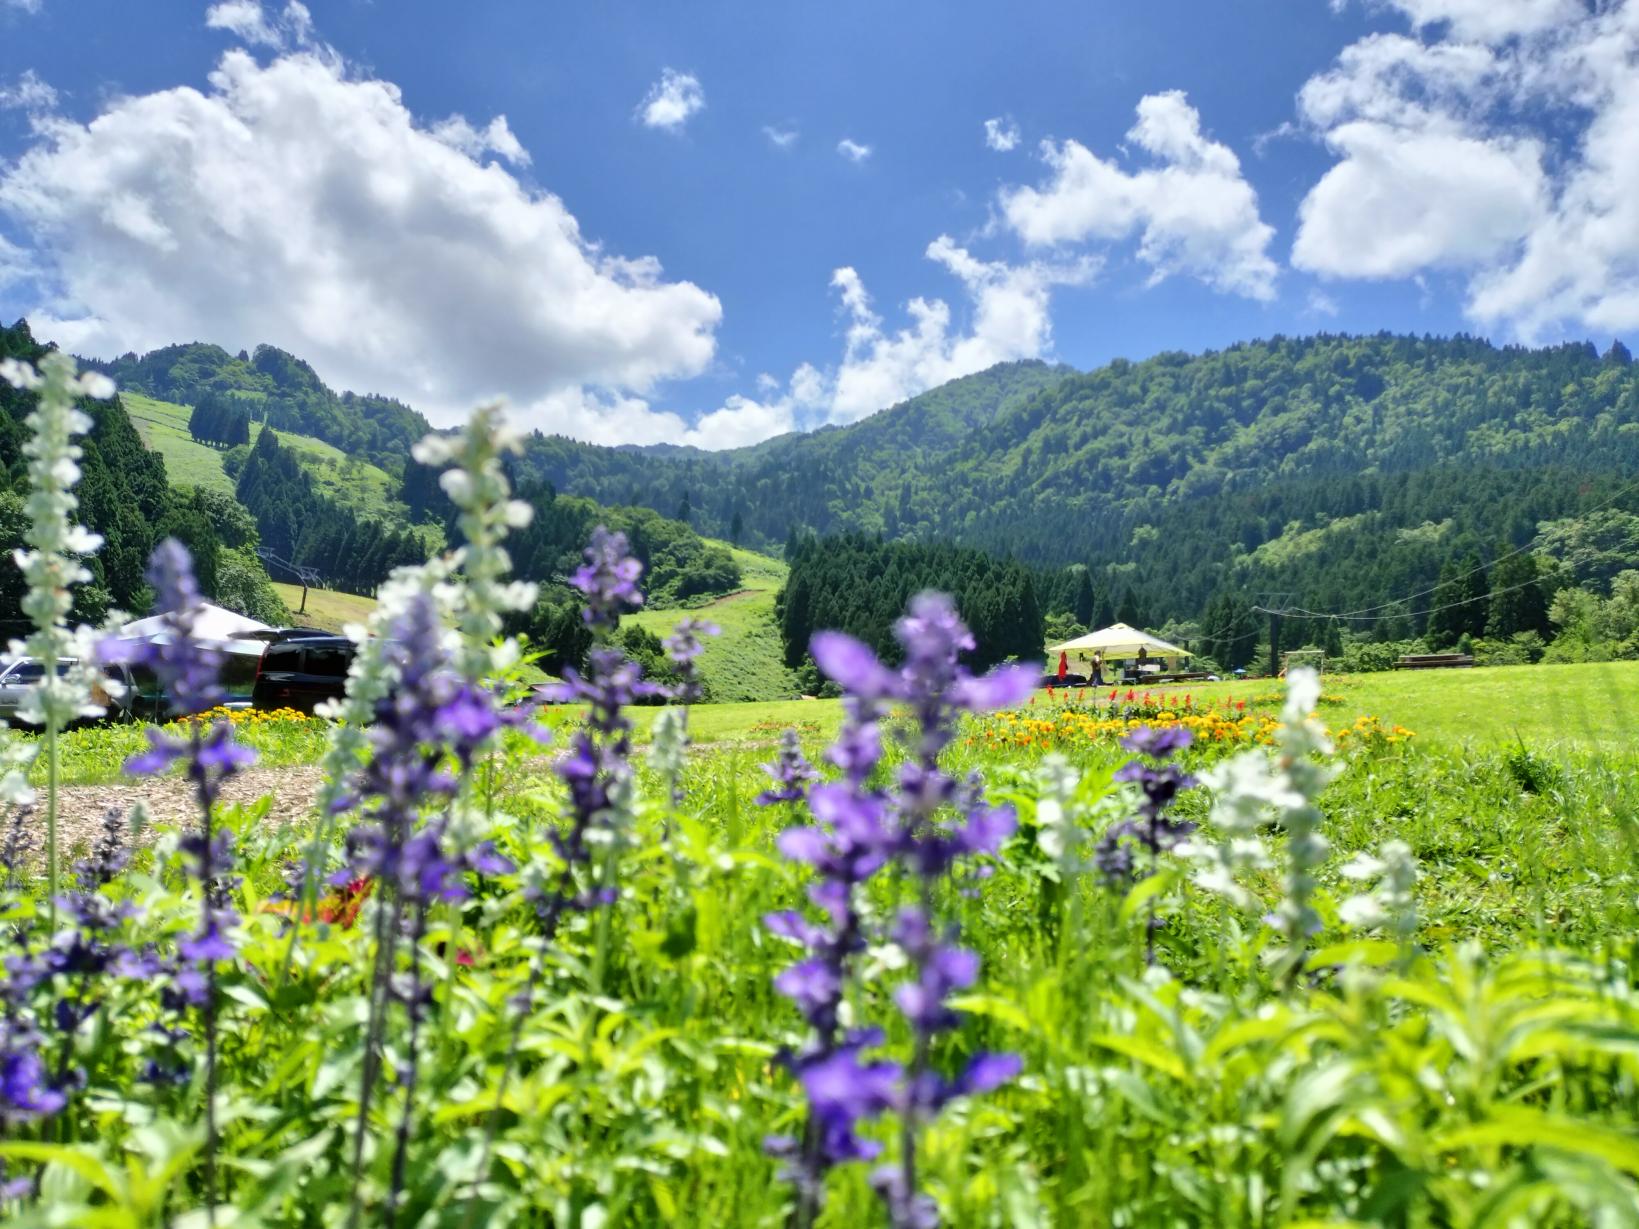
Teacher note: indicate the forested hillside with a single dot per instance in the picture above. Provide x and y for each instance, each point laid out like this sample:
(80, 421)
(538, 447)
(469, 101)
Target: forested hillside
(862, 586)
(125, 496)
(278, 389)
(1341, 469)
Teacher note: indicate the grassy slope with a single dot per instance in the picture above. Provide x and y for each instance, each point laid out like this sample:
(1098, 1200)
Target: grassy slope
(164, 427)
(362, 487)
(1550, 708)
(325, 608)
(744, 663)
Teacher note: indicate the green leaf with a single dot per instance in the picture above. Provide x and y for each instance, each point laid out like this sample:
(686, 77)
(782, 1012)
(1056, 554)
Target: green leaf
(1528, 1128)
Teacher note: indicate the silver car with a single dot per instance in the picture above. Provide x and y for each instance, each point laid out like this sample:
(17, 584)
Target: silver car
(17, 674)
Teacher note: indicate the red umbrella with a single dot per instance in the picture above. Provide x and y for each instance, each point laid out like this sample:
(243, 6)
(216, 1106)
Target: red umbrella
(1064, 664)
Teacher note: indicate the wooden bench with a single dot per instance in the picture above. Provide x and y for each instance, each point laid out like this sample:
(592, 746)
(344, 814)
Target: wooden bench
(1434, 661)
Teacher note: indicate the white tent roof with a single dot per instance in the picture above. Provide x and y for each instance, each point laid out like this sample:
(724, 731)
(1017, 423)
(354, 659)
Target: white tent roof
(231, 631)
(1119, 640)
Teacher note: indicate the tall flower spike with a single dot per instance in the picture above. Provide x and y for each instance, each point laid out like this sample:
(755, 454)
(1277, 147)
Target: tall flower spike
(596, 769)
(187, 672)
(790, 772)
(1302, 746)
(51, 567)
(476, 483)
(927, 822)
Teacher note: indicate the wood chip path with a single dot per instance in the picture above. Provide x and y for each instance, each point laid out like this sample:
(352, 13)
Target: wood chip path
(170, 801)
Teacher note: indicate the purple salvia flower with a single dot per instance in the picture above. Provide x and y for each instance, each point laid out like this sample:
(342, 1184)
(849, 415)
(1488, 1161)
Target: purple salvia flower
(683, 648)
(596, 768)
(1160, 784)
(188, 672)
(431, 714)
(791, 773)
(928, 821)
(608, 578)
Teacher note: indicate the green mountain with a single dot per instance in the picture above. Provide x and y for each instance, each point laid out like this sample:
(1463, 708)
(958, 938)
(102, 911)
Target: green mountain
(279, 390)
(1341, 470)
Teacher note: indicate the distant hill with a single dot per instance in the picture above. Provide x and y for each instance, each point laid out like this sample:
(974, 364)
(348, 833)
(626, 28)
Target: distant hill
(278, 389)
(364, 489)
(1342, 469)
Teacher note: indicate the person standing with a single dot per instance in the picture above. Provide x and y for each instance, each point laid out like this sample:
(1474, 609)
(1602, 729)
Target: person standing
(1098, 669)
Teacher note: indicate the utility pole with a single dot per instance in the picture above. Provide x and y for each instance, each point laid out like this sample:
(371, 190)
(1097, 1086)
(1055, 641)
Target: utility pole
(1274, 605)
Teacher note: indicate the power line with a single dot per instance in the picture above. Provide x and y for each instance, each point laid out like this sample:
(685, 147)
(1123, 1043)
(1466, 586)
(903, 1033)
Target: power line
(1298, 613)
(1365, 611)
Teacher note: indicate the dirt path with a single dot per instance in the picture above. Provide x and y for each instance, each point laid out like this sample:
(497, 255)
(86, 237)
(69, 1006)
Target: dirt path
(170, 801)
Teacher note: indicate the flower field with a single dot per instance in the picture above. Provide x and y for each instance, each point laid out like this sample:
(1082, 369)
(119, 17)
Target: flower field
(974, 961)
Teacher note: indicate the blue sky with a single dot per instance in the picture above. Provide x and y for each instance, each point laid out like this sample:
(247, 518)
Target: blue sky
(1212, 172)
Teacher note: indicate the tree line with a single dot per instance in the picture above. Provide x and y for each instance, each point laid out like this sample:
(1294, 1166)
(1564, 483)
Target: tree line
(860, 585)
(220, 421)
(300, 524)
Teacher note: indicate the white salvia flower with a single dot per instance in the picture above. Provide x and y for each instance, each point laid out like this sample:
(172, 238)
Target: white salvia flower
(434, 450)
(1302, 741)
(1393, 901)
(50, 563)
(372, 674)
(1253, 788)
(1057, 830)
(97, 386)
(20, 374)
(477, 485)
(669, 746)
(1245, 789)
(51, 567)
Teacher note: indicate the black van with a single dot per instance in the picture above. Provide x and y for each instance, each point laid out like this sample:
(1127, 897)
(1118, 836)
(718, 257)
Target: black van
(299, 669)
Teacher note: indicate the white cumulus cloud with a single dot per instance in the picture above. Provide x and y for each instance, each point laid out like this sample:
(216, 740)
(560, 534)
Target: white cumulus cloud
(1503, 147)
(247, 20)
(1490, 20)
(1193, 211)
(671, 101)
(1403, 201)
(459, 133)
(1009, 318)
(298, 204)
(29, 94)
(1001, 135)
(853, 150)
(781, 138)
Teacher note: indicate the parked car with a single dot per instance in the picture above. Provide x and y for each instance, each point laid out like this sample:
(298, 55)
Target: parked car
(17, 674)
(300, 668)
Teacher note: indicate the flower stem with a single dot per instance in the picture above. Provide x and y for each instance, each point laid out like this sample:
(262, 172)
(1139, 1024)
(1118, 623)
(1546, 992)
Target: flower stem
(52, 768)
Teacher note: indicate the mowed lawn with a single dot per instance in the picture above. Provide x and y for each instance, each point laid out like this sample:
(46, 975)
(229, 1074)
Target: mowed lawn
(1549, 708)
(326, 609)
(745, 662)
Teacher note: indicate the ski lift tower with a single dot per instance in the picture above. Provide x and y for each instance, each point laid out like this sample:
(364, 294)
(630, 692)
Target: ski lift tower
(306, 575)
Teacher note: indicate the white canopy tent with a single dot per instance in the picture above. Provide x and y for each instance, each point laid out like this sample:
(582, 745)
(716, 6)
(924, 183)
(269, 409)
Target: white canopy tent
(1119, 640)
(230, 632)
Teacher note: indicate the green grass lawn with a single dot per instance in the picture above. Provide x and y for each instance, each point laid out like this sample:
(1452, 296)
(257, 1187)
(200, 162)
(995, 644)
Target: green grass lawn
(354, 484)
(163, 426)
(1549, 708)
(326, 608)
(1583, 706)
(744, 663)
